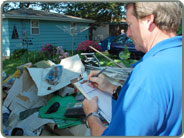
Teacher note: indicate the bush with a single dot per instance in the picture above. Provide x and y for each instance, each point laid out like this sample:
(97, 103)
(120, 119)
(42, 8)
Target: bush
(56, 54)
(125, 54)
(34, 56)
(179, 31)
(84, 46)
(18, 53)
(48, 50)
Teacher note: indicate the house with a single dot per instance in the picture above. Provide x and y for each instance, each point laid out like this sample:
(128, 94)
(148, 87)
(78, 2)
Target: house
(28, 28)
(109, 29)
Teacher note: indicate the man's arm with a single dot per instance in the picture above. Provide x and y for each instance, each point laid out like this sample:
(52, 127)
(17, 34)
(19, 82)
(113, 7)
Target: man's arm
(95, 125)
(89, 106)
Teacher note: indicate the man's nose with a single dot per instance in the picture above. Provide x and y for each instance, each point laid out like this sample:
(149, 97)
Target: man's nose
(128, 33)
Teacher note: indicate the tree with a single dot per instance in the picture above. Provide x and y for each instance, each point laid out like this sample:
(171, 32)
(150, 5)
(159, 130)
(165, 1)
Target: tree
(16, 5)
(99, 11)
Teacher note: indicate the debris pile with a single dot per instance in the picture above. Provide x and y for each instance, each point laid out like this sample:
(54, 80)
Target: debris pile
(36, 98)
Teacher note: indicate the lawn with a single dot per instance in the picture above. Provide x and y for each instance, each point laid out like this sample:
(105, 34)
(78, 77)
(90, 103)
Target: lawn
(10, 65)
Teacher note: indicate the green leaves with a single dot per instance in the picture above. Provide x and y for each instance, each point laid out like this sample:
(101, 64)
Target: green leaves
(179, 32)
(105, 62)
(99, 11)
(125, 54)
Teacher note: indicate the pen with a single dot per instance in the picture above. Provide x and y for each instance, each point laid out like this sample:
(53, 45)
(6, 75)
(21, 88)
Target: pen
(84, 81)
(100, 72)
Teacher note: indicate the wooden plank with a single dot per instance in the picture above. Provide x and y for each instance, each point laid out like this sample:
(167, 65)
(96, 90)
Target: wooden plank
(107, 57)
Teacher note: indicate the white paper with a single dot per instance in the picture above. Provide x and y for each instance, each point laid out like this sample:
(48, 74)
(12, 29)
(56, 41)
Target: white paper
(104, 98)
(73, 64)
(13, 92)
(72, 67)
(27, 99)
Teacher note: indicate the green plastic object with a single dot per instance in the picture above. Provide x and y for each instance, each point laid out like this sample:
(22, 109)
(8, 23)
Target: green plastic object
(67, 123)
(58, 116)
(64, 102)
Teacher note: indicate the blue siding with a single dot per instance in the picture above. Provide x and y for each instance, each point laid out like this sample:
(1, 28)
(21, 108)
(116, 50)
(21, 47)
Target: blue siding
(16, 43)
(50, 33)
(13, 43)
(59, 36)
(5, 38)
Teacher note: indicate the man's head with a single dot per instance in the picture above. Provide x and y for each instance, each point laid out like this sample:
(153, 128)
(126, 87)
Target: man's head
(146, 19)
(122, 31)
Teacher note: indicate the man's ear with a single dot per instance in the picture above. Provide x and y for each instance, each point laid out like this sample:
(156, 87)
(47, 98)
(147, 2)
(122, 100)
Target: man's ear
(150, 21)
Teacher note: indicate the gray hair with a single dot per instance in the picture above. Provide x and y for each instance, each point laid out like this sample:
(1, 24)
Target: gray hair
(167, 14)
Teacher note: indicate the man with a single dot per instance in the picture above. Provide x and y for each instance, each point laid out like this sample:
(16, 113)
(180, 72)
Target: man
(150, 101)
(122, 32)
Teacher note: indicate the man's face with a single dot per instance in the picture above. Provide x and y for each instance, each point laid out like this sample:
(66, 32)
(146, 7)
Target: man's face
(135, 29)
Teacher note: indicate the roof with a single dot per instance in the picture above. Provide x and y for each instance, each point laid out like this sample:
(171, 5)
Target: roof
(23, 13)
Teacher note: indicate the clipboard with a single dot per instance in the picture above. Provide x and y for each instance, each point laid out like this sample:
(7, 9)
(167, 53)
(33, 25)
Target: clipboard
(104, 98)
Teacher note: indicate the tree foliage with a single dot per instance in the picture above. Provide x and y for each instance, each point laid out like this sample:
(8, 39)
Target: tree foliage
(99, 11)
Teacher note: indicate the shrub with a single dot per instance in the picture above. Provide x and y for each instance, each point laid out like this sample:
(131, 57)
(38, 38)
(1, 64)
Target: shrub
(35, 56)
(124, 55)
(48, 50)
(179, 31)
(84, 46)
(18, 53)
(56, 54)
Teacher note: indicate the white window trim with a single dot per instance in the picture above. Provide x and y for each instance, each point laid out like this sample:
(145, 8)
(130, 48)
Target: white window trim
(34, 27)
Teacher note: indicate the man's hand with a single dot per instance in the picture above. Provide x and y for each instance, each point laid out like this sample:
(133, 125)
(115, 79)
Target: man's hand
(100, 82)
(90, 105)
(95, 124)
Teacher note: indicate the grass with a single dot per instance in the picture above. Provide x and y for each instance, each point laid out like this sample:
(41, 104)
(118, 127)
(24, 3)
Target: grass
(10, 65)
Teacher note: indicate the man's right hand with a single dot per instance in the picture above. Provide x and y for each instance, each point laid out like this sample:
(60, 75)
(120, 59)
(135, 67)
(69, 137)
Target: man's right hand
(101, 82)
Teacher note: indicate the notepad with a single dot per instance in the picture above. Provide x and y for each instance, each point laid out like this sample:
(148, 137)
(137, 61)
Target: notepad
(104, 98)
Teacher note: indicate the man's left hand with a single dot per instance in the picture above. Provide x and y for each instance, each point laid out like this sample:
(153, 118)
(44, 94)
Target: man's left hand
(90, 105)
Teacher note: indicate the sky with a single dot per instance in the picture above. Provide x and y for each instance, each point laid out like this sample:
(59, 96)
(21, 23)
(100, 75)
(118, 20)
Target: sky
(33, 7)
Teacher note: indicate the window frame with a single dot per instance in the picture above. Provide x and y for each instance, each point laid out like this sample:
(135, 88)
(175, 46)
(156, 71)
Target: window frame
(34, 27)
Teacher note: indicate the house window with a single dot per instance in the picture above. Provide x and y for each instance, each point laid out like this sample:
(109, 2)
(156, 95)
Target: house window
(35, 30)
(15, 33)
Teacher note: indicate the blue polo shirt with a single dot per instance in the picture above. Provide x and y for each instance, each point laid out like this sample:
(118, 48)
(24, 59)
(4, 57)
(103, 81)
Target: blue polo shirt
(150, 101)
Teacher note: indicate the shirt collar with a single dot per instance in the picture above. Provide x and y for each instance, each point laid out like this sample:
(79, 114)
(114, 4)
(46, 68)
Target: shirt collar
(162, 45)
